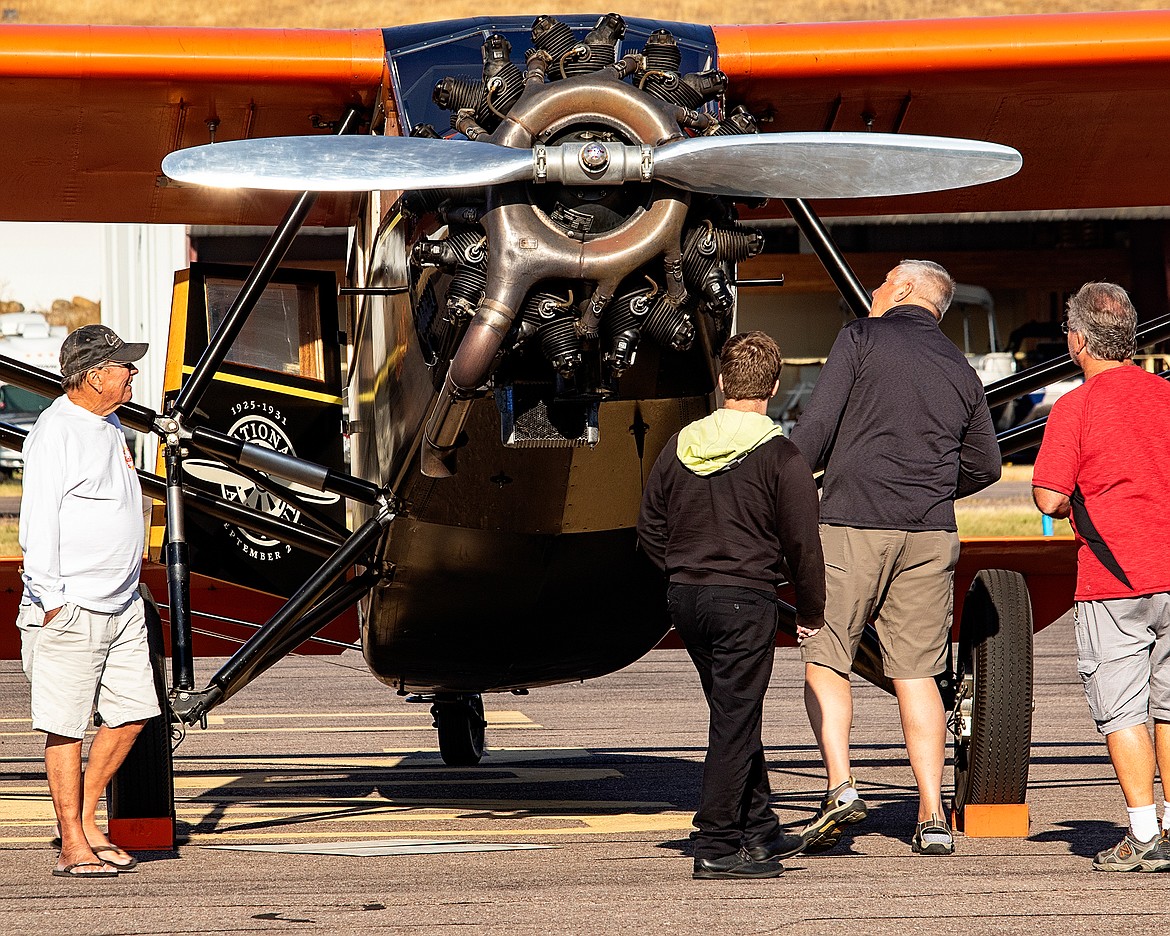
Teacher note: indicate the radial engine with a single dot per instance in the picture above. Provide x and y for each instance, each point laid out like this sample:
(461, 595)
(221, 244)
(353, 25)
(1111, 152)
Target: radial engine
(581, 272)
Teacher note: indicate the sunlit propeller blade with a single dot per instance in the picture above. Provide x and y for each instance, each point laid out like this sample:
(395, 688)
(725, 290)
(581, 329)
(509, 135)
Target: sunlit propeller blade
(830, 165)
(348, 164)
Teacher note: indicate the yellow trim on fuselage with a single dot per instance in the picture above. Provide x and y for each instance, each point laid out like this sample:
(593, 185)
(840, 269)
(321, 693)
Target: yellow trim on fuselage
(272, 387)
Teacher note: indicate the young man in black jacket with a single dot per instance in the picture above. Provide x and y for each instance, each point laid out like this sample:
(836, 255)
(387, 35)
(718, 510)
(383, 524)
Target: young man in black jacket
(727, 505)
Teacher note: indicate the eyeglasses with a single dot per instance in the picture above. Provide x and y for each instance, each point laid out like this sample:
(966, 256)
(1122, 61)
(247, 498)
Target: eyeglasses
(128, 367)
(1064, 327)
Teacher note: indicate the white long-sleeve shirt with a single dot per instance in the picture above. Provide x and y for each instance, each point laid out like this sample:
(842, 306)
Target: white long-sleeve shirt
(81, 517)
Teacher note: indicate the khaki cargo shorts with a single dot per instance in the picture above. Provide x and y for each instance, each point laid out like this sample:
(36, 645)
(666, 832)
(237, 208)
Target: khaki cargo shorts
(903, 582)
(82, 660)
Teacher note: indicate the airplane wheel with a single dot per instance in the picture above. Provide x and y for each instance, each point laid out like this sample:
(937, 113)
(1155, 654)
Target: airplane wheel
(461, 729)
(144, 786)
(993, 718)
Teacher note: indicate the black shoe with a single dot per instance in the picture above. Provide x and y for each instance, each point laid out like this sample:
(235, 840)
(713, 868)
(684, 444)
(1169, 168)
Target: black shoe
(784, 845)
(739, 865)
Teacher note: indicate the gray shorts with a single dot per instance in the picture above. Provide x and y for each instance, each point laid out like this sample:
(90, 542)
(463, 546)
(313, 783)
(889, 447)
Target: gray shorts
(1123, 656)
(82, 660)
(903, 582)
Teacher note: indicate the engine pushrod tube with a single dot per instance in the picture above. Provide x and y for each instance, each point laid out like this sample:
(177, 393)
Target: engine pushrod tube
(288, 467)
(192, 706)
(842, 275)
(258, 279)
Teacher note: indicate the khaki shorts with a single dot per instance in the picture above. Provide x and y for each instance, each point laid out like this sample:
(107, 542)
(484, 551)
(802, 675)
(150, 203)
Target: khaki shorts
(1123, 656)
(82, 660)
(903, 582)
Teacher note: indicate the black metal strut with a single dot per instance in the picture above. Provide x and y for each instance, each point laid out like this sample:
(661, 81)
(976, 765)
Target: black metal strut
(258, 279)
(178, 559)
(839, 270)
(261, 649)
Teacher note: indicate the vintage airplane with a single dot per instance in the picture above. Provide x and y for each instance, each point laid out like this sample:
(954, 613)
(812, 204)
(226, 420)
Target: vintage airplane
(544, 266)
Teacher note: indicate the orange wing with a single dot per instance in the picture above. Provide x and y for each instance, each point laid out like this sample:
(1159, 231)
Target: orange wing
(89, 112)
(1082, 96)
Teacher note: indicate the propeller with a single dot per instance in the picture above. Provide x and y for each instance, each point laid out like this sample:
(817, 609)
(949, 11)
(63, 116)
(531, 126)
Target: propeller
(770, 165)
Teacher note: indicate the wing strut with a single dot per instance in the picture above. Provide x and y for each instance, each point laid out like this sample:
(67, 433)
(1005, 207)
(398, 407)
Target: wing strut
(190, 395)
(313, 606)
(842, 275)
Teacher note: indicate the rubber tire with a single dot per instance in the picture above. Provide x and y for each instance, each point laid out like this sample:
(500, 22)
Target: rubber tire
(144, 786)
(461, 728)
(995, 646)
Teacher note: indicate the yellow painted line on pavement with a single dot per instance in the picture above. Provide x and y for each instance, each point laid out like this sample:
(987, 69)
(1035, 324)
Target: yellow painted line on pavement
(498, 716)
(499, 719)
(591, 825)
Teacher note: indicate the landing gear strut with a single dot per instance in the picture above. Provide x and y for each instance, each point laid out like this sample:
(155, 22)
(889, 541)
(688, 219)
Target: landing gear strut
(460, 721)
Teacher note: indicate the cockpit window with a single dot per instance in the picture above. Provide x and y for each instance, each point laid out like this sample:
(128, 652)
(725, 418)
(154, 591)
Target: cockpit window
(283, 332)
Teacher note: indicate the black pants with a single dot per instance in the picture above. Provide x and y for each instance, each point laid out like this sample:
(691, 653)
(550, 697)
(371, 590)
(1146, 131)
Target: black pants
(730, 634)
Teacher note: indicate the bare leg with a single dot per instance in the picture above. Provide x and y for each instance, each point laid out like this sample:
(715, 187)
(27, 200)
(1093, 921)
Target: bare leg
(106, 754)
(925, 729)
(1132, 754)
(63, 768)
(1162, 751)
(829, 702)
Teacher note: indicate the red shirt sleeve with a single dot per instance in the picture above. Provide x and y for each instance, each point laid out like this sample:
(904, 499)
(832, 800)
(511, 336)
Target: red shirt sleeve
(1060, 452)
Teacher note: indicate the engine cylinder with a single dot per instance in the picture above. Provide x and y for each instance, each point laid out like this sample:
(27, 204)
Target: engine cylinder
(502, 79)
(670, 325)
(554, 37)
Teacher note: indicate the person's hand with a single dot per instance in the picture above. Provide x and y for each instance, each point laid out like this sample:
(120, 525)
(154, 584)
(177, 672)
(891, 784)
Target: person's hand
(52, 614)
(803, 630)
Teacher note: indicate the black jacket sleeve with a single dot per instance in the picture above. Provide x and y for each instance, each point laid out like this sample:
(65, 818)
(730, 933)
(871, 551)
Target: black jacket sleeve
(816, 430)
(980, 462)
(652, 528)
(797, 517)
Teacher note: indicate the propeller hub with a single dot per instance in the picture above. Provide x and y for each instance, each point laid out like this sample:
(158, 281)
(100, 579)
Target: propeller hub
(594, 157)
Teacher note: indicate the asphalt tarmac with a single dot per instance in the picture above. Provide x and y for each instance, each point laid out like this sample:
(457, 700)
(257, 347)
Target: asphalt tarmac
(319, 755)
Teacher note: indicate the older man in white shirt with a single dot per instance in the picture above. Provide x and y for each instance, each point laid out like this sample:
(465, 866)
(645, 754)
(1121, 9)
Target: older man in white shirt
(81, 618)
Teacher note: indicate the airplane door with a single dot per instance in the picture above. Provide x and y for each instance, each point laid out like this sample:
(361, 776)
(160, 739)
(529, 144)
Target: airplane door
(280, 387)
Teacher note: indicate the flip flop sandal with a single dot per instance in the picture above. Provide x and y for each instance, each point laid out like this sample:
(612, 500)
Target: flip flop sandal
(120, 865)
(69, 872)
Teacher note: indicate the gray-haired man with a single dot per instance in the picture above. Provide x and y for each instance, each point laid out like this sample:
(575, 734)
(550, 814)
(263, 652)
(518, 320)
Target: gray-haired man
(81, 618)
(1105, 464)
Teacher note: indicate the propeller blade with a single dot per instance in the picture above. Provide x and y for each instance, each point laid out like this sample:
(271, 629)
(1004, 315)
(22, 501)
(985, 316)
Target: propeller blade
(830, 165)
(348, 164)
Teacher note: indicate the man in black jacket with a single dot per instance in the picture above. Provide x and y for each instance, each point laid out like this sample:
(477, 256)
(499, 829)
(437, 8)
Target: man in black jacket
(728, 502)
(899, 422)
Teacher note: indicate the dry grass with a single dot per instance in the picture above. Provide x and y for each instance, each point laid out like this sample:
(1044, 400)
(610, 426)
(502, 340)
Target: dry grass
(1013, 520)
(365, 13)
(9, 546)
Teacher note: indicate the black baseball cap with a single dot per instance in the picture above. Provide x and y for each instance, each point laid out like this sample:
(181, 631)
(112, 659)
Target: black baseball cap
(93, 345)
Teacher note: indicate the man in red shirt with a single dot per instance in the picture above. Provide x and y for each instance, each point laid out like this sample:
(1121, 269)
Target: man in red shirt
(1105, 463)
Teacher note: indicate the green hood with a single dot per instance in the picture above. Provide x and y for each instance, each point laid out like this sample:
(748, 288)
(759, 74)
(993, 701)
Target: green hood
(719, 441)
